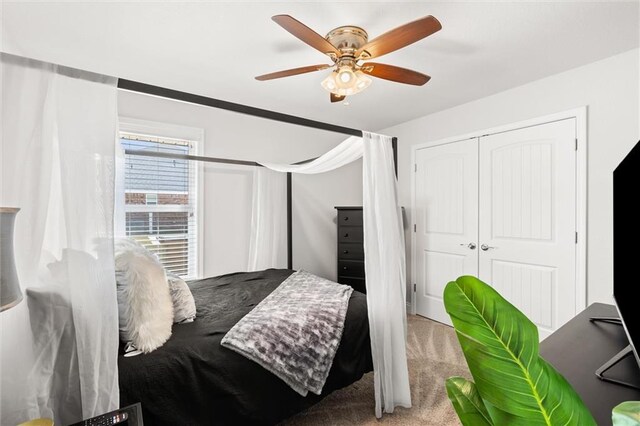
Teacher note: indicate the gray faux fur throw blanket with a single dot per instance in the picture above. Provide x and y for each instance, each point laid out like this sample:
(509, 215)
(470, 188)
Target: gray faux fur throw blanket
(295, 331)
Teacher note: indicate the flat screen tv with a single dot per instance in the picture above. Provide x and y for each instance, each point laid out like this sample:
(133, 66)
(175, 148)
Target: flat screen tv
(626, 260)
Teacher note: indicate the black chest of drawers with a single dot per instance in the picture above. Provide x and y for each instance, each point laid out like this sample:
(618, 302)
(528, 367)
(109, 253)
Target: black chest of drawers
(351, 248)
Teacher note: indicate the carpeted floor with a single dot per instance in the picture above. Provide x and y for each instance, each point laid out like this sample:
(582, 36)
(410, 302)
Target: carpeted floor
(434, 355)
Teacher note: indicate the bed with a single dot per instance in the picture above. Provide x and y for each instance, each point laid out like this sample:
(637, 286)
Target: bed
(192, 380)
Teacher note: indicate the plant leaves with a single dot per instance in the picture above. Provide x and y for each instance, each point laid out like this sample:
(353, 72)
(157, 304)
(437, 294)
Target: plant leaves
(467, 402)
(501, 346)
(626, 414)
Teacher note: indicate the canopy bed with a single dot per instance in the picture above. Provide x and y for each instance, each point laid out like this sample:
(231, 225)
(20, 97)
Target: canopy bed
(192, 360)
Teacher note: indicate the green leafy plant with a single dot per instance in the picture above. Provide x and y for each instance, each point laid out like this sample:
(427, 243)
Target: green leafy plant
(626, 414)
(513, 384)
(467, 402)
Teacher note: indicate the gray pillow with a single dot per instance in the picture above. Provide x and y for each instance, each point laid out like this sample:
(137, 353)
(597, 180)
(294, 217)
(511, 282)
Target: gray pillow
(184, 307)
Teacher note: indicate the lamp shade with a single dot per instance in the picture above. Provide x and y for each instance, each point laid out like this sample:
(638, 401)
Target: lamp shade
(10, 294)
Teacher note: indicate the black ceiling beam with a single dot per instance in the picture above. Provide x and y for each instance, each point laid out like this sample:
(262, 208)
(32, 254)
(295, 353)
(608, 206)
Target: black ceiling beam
(163, 92)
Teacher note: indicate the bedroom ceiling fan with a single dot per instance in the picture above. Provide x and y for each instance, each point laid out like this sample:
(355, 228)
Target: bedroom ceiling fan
(348, 45)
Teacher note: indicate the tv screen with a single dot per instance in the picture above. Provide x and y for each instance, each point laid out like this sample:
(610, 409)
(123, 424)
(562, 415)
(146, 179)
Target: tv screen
(626, 234)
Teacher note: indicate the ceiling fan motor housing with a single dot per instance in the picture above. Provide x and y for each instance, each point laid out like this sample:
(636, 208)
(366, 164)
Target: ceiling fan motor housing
(347, 39)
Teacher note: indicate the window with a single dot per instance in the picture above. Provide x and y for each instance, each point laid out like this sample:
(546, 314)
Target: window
(161, 201)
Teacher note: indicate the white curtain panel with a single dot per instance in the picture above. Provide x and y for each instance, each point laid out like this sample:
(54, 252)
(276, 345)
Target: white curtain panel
(268, 243)
(347, 152)
(119, 215)
(384, 258)
(384, 264)
(59, 346)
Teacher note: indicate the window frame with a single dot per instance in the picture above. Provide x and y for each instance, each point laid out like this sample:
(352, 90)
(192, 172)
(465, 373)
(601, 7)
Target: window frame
(174, 131)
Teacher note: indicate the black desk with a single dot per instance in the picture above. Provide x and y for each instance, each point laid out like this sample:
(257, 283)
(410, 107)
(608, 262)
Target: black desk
(580, 347)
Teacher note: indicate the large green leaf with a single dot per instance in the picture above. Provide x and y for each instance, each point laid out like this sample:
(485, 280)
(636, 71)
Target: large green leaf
(467, 402)
(626, 414)
(501, 346)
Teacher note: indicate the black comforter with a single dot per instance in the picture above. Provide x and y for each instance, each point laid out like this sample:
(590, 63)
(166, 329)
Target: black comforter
(192, 380)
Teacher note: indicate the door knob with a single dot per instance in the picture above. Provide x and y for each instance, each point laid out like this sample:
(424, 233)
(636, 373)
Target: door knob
(485, 247)
(472, 246)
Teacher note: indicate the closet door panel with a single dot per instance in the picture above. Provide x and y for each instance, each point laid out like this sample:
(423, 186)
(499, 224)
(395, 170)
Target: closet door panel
(528, 220)
(446, 218)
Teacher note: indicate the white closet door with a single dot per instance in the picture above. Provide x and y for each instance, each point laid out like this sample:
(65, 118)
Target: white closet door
(446, 218)
(528, 220)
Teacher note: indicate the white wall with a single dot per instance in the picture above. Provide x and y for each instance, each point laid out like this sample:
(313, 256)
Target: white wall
(610, 90)
(315, 197)
(226, 218)
(227, 195)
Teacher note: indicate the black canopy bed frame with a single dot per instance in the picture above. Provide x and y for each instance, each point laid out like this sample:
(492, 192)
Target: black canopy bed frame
(193, 361)
(162, 92)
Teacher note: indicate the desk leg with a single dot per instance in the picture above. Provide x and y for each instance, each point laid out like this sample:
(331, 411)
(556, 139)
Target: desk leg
(613, 361)
(610, 320)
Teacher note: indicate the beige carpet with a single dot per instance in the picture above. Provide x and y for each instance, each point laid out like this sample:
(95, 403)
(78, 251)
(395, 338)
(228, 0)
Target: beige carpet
(434, 355)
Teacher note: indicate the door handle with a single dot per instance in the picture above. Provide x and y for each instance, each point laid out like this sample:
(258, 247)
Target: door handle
(471, 246)
(485, 247)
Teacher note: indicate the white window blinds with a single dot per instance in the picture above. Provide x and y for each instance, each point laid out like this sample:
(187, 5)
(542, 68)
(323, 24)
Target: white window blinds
(161, 202)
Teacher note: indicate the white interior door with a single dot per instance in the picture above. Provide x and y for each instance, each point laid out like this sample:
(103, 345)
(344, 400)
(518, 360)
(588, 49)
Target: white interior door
(527, 219)
(446, 218)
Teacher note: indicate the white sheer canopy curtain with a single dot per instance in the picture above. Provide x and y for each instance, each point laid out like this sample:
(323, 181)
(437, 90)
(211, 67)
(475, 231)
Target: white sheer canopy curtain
(59, 346)
(268, 243)
(384, 264)
(384, 258)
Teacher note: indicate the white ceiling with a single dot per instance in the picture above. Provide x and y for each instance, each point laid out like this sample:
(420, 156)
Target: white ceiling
(215, 49)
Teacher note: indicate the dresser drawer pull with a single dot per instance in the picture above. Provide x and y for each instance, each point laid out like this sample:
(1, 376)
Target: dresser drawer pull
(346, 218)
(346, 235)
(344, 268)
(345, 252)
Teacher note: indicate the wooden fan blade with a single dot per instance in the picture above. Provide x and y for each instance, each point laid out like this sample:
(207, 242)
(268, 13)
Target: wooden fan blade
(336, 98)
(305, 34)
(393, 73)
(294, 71)
(400, 37)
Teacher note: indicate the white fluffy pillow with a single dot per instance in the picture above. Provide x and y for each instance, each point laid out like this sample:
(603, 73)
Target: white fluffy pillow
(184, 307)
(144, 301)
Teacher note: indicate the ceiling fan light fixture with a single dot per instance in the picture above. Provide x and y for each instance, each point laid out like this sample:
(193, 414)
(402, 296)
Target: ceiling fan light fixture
(345, 82)
(345, 77)
(329, 84)
(363, 81)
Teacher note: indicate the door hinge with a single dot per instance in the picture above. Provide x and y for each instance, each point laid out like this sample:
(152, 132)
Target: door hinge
(414, 227)
(576, 144)
(414, 288)
(415, 167)
(576, 237)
